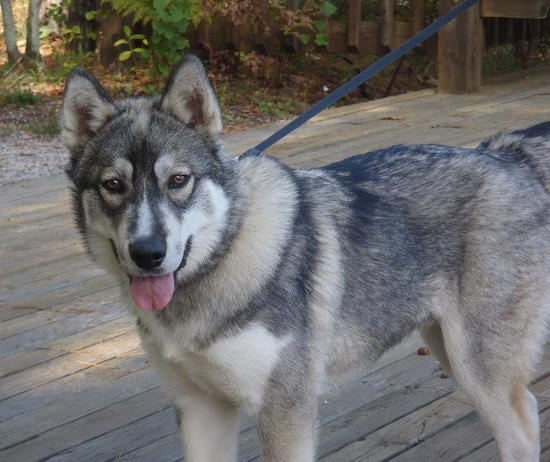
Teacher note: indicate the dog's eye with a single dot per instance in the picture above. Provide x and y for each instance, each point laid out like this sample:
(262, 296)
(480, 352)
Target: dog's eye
(178, 180)
(113, 185)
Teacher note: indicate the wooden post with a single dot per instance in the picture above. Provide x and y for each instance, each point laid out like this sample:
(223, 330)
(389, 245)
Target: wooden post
(418, 14)
(459, 51)
(386, 23)
(354, 20)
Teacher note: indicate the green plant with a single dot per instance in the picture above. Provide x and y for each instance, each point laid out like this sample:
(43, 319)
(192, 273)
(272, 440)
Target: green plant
(327, 9)
(169, 20)
(129, 42)
(20, 98)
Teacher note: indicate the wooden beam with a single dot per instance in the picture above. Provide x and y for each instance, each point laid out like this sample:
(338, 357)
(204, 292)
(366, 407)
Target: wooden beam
(529, 9)
(459, 51)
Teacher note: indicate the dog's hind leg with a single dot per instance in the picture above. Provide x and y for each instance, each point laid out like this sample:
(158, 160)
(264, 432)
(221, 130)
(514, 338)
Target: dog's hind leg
(494, 376)
(432, 335)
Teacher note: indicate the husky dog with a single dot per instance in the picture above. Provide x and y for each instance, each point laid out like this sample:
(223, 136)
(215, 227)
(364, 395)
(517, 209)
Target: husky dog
(254, 284)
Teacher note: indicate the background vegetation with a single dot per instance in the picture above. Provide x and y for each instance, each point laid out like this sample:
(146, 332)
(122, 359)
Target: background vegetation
(268, 58)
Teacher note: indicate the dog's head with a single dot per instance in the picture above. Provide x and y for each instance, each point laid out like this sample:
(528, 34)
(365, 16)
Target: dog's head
(149, 179)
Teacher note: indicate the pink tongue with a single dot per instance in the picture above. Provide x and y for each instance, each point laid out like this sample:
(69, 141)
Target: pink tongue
(153, 292)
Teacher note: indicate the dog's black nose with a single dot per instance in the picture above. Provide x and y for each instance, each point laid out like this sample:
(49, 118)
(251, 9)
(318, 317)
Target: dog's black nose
(148, 253)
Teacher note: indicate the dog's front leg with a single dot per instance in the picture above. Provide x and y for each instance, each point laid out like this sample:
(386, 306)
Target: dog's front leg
(209, 428)
(288, 434)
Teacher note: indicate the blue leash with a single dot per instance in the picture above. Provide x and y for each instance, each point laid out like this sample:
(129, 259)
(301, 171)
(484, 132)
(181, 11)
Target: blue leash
(361, 78)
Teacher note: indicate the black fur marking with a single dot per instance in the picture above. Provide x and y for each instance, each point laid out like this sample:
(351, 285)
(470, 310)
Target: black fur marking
(185, 254)
(113, 246)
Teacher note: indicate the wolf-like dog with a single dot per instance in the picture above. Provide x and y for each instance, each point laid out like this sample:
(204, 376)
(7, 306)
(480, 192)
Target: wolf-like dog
(254, 284)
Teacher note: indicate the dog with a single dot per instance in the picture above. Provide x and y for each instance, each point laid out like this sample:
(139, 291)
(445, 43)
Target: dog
(254, 284)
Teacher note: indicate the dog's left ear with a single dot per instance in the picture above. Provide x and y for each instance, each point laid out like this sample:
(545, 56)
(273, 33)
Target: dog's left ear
(189, 96)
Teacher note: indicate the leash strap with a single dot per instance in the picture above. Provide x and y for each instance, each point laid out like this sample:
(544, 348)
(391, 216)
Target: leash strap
(361, 78)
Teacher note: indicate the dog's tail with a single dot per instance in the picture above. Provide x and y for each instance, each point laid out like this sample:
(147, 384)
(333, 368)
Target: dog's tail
(532, 145)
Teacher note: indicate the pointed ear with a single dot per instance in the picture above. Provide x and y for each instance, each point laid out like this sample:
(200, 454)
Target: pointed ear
(86, 108)
(189, 96)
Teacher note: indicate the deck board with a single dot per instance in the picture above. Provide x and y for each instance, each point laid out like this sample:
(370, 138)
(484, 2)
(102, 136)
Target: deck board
(74, 384)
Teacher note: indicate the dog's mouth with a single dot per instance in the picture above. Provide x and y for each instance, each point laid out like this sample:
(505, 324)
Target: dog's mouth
(154, 292)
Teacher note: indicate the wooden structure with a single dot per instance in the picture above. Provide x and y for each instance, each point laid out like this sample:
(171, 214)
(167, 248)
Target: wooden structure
(461, 42)
(75, 385)
(459, 51)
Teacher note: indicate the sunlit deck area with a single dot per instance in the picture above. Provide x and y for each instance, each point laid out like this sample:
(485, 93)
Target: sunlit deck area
(75, 385)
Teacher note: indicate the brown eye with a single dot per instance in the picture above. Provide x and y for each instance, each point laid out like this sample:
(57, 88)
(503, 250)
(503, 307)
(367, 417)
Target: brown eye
(178, 180)
(113, 185)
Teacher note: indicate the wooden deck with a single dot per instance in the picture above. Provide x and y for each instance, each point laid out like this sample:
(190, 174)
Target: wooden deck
(75, 386)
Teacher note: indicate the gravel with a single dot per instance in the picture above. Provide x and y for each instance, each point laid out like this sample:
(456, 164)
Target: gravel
(26, 156)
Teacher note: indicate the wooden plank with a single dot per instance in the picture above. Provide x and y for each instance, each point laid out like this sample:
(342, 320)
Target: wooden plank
(29, 414)
(7, 313)
(34, 250)
(381, 412)
(42, 189)
(466, 124)
(59, 288)
(73, 340)
(416, 435)
(371, 386)
(45, 228)
(60, 441)
(58, 207)
(63, 267)
(469, 434)
(113, 447)
(63, 319)
(71, 362)
(489, 453)
(49, 253)
(529, 9)
(459, 51)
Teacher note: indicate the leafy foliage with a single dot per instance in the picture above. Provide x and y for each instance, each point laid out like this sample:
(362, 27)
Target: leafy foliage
(129, 41)
(168, 19)
(307, 23)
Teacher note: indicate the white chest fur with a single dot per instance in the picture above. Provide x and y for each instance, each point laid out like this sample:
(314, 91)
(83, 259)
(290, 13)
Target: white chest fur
(237, 367)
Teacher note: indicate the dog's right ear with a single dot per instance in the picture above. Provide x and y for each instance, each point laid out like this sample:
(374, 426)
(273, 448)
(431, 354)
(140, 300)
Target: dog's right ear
(189, 97)
(86, 108)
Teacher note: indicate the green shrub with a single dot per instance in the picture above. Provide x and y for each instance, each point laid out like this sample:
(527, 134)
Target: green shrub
(20, 98)
(169, 20)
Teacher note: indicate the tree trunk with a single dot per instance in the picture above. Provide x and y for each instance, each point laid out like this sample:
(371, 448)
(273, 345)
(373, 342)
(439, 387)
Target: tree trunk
(10, 34)
(32, 50)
